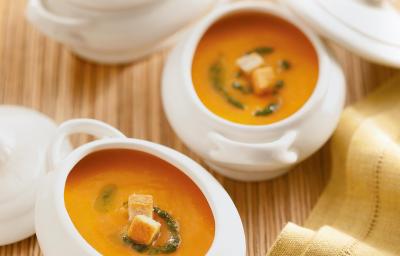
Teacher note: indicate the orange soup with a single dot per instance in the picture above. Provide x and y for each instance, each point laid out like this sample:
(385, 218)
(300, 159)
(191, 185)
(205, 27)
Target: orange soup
(96, 195)
(254, 69)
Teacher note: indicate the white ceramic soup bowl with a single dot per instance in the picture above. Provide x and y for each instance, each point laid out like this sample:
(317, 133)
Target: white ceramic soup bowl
(250, 152)
(55, 231)
(108, 33)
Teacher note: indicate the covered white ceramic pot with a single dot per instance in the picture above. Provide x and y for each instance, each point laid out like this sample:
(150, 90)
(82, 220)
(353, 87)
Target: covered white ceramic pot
(247, 152)
(57, 234)
(114, 31)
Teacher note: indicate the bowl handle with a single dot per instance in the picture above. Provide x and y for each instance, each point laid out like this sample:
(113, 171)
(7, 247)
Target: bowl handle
(57, 150)
(272, 154)
(61, 28)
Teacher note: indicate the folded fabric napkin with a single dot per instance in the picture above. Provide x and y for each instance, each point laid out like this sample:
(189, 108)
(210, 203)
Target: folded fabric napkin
(359, 211)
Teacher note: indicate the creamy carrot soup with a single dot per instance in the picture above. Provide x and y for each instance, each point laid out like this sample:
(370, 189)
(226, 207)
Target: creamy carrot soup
(254, 69)
(126, 202)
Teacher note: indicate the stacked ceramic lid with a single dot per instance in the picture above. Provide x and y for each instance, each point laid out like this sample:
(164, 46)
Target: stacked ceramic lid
(24, 137)
(369, 28)
(114, 31)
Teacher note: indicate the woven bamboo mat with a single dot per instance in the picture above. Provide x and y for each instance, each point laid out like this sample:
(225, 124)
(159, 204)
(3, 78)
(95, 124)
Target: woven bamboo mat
(40, 73)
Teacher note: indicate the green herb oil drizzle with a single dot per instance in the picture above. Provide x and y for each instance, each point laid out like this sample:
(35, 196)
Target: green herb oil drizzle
(105, 198)
(242, 88)
(284, 64)
(216, 73)
(170, 246)
(279, 84)
(262, 50)
(268, 110)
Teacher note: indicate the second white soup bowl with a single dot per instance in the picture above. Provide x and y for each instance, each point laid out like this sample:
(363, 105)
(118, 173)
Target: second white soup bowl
(249, 152)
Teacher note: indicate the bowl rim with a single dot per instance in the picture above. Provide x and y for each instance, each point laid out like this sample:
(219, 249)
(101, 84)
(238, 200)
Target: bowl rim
(273, 9)
(218, 199)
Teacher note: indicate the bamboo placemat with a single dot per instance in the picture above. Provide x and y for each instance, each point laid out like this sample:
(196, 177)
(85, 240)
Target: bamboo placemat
(40, 73)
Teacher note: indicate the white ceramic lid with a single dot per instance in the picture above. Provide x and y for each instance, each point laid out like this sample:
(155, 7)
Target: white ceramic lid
(368, 28)
(24, 137)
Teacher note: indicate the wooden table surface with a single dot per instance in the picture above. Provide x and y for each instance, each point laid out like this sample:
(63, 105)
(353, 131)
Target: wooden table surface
(42, 74)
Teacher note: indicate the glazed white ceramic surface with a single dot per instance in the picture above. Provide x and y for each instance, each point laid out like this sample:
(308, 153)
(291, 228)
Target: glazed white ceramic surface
(114, 35)
(54, 229)
(24, 137)
(371, 31)
(99, 9)
(104, 5)
(246, 152)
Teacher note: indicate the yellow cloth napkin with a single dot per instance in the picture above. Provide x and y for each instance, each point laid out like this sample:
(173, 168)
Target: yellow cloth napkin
(359, 211)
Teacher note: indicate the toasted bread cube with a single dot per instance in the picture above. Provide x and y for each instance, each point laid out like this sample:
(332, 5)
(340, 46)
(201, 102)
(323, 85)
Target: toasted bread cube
(143, 230)
(249, 62)
(140, 205)
(262, 79)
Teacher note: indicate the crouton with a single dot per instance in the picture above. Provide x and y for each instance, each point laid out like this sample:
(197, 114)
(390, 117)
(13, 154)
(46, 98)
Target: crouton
(262, 79)
(140, 205)
(143, 230)
(249, 62)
